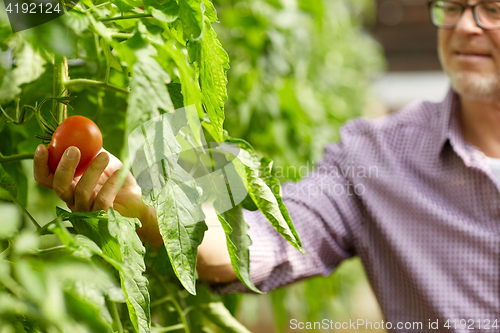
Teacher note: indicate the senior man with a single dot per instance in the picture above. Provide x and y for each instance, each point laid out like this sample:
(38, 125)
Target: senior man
(415, 195)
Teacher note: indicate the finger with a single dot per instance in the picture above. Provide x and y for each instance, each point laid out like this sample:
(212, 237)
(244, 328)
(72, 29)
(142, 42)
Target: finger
(107, 194)
(114, 163)
(63, 184)
(85, 190)
(41, 170)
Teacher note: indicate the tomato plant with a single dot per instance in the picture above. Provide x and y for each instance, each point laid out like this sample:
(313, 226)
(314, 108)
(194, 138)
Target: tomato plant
(80, 132)
(124, 63)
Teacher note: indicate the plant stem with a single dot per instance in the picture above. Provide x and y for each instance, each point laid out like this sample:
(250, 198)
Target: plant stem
(27, 213)
(124, 17)
(166, 329)
(121, 35)
(60, 76)
(97, 6)
(172, 300)
(5, 253)
(117, 324)
(94, 83)
(15, 158)
(52, 249)
(97, 53)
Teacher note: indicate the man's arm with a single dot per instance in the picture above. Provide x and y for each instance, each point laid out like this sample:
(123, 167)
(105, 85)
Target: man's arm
(214, 263)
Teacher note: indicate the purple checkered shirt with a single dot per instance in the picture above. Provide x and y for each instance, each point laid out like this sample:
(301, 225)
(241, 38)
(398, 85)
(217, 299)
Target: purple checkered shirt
(412, 199)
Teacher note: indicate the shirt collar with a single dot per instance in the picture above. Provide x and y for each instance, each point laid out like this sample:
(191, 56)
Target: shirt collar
(450, 132)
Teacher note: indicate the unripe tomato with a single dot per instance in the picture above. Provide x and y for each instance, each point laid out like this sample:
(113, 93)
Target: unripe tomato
(80, 132)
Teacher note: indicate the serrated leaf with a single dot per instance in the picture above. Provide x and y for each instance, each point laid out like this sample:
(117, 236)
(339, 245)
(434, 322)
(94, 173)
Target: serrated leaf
(167, 12)
(182, 227)
(86, 286)
(191, 18)
(171, 190)
(213, 63)
(210, 11)
(30, 66)
(10, 221)
(134, 284)
(148, 90)
(116, 241)
(190, 89)
(268, 201)
(218, 314)
(7, 183)
(110, 58)
(238, 243)
(77, 21)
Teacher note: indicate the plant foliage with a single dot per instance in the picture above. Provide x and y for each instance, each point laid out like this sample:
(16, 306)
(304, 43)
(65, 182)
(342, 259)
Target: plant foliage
(128, 65)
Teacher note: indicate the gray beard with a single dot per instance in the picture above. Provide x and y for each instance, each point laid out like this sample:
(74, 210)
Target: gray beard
(485, 88)
(474, 86)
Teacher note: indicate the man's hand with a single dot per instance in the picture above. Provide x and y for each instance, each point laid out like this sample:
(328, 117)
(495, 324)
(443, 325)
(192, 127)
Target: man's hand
(97, 188)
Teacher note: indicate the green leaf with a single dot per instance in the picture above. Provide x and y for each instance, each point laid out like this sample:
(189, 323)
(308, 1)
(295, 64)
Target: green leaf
(167, 12)
(10, 221)
(30, 66)
(133, 3)
(191, 18)
(248, 204)
(275, 186)
(213, 63)
(218, 314)
(190, 89)
(7, 183)
(86, 311)
(100, 28)
(75, 20)
(116, 241)
(148, 90)
(238, 243)
(265, 192)
(110, 58)
(172, 191)
(210, 11)
(182, 226)
(133, 282)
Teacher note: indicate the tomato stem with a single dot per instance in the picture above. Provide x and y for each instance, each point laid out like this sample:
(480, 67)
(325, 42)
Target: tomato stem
(121, 35)
(32, 219)
(94, 83)
(15, 158)
(117, 324)
(60, 76)
(124, 17)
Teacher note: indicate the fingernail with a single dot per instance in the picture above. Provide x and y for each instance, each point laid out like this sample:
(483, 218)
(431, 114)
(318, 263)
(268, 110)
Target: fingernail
(71, 153)
(38, 151)
(101, 157)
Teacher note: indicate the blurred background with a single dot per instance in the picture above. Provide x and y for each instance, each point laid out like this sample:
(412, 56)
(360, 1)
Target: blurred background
(299, 70)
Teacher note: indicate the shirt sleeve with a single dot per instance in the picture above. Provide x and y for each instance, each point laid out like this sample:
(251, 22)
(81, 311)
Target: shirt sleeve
(323, 206)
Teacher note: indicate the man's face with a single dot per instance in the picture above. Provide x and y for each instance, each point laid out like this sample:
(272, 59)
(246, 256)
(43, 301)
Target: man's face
(471, 58)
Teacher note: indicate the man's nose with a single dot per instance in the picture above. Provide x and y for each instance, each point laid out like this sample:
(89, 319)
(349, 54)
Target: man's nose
(467, 24)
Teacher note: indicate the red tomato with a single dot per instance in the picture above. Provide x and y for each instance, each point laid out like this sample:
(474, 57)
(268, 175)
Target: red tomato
(80, 132)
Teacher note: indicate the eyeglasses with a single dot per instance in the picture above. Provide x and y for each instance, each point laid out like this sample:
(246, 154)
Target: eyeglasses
(446, 14)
